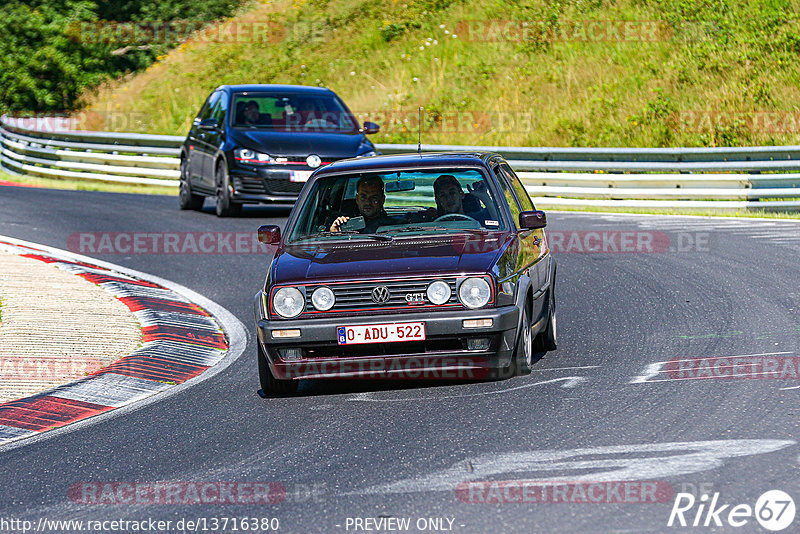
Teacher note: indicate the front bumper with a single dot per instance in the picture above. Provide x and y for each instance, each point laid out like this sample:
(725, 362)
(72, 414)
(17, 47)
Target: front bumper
(444, 354)
(266, 184)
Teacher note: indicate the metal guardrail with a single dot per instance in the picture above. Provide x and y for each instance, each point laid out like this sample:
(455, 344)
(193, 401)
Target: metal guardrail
(702, 178)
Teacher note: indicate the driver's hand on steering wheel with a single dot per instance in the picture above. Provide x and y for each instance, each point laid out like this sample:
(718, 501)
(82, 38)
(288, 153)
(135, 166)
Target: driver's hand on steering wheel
(336, 226)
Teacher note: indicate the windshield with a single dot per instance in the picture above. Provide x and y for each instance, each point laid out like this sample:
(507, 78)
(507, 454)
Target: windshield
(286, 112)
(398, 203)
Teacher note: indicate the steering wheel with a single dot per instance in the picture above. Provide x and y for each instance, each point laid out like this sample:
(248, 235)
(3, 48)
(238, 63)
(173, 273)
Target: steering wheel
(454, 217)
(320, 122)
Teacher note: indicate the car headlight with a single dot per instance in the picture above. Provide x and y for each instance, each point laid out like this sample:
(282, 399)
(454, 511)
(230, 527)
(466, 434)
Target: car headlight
(439, 292)
(323, 299)
(288, 302)
(251, 156)
(367, 154)
(474, 292)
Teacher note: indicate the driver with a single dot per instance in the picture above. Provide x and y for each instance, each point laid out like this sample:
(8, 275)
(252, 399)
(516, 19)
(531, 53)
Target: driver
(369, 199)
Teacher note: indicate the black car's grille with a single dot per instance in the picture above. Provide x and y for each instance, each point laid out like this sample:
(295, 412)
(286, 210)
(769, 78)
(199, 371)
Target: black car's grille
(283, 185)
(404, 295)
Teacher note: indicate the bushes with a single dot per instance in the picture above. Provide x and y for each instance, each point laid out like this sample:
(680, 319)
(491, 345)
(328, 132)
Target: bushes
(49, 60)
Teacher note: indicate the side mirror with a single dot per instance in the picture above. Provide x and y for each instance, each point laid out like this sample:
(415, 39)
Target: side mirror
(532, 220)
(370, 128)
(269, 234)
(209, 124)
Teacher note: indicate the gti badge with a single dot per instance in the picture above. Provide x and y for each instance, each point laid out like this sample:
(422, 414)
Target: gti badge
(415, 298)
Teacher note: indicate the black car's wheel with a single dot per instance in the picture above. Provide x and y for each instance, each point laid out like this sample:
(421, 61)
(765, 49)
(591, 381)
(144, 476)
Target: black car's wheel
(225, 207)
(523, 356)
(269, 384)
(547, 339)
(188, 200)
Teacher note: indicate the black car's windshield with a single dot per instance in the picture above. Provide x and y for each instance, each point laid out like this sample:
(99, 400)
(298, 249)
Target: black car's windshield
(286, 112)
(404, 203)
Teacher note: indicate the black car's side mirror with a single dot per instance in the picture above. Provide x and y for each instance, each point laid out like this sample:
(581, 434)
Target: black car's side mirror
(209, 125)
(269, 234)
(532, 220)
(370, 128)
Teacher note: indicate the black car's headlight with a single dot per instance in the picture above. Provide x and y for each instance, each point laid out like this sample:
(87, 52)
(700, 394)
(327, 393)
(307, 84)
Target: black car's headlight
(288, 302)
(368, 154)
(474, 292)
(245, 155)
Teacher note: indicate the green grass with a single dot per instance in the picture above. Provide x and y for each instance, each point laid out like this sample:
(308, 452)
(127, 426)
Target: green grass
(726, 58)
(87, 185)
(679, 211)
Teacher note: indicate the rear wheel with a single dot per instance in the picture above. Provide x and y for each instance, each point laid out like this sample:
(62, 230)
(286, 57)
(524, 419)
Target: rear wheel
(225, 206)
(269, 384)
(547, 339)
(188, 200)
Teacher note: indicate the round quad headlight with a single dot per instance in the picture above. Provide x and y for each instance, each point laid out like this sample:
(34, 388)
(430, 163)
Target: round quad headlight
(323, 299)
(439, 292)
(288, 302)
(474, 292)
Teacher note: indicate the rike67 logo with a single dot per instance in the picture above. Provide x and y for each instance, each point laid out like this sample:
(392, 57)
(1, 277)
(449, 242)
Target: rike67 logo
(774, 511)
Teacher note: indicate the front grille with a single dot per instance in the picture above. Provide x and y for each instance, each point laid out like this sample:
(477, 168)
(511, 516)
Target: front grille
(283, 185)
(357, 296)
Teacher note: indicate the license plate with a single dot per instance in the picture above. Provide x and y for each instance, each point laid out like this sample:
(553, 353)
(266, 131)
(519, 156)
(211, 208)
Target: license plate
(299, 176)
(380, 333)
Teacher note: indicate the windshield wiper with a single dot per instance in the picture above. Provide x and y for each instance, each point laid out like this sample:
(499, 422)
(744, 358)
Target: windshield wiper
(328, 233)
(434, 228)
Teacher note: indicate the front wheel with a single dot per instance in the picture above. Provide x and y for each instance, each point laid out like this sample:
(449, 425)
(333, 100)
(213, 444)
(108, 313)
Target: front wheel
(524, 353)
(269, 384)
(186, 199)
(547, 339)
(225, 207)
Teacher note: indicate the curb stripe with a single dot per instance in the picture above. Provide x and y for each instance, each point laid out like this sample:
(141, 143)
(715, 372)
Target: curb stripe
(181, 340)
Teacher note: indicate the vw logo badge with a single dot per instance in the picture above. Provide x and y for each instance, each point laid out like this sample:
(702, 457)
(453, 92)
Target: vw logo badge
(313, 161)
(380, 294)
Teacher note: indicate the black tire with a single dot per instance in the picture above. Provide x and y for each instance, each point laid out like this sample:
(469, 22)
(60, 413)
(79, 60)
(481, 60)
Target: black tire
(269, 384)
(224, 206)
(186, 199)
(547, 339)
(523, 355)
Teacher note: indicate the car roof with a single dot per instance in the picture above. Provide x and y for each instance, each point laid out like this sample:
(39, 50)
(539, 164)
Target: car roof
(409, 161)
(304, 89)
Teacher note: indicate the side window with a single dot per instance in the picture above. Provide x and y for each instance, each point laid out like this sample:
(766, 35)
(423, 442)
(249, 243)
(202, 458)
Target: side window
(511, 199)
(519, 188)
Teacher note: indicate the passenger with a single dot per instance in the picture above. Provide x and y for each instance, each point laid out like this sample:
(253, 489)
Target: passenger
(253, 116)
(369, 199)
(451, 199)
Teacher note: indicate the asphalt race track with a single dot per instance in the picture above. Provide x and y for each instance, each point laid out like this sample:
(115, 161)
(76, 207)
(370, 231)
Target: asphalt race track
(603, 408)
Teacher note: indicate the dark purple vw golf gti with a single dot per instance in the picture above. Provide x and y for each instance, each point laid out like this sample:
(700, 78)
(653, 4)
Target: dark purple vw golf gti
(409, 266)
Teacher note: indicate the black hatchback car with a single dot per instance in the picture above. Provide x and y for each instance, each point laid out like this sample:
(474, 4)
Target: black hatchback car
(408, 266)
(260, 143)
